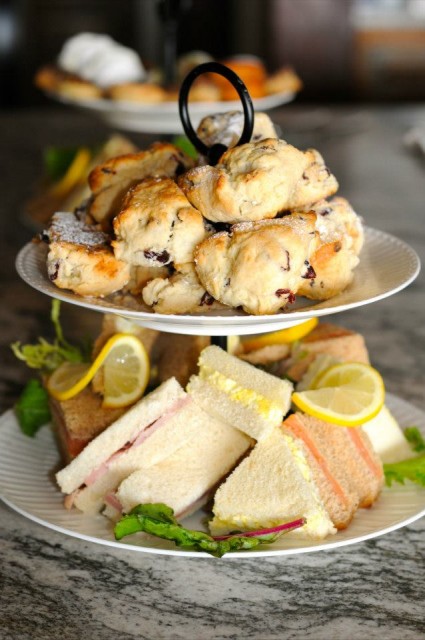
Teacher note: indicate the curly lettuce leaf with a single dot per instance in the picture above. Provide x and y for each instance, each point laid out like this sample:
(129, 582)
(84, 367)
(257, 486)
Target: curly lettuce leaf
(49, 356)
(412, 469)
(415, 439)
(159, 520)
(32, 408)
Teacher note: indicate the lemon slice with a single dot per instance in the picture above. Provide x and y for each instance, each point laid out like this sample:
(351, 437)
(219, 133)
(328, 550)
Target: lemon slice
(284, 336)
(126, 372)
(348, 394)
(320, 364)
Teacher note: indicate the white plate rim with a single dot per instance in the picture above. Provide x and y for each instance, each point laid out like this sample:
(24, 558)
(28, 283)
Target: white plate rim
(396, 405)
(232, 324)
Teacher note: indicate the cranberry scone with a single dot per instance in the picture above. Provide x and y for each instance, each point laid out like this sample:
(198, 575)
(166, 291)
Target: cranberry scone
(226, 128)
(257, 180)
(81, 259)
(110, 181)
(258, 266)
(180, 293)
(157, 225)
(335, 252)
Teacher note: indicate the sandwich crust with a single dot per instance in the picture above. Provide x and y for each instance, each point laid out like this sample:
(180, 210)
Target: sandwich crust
(257, 180)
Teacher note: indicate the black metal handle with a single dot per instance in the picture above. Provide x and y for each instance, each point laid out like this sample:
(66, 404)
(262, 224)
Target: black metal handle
(213, 153)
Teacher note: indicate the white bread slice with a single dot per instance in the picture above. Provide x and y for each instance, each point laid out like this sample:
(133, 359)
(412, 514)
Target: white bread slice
(271, 486)
(235, 391)
(190, 428)
(184, 480)
(124, 430)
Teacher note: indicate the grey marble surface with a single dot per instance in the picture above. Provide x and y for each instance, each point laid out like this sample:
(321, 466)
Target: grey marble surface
(53, 586)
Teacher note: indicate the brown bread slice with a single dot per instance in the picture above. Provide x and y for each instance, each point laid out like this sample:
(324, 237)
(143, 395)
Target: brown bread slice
(322, 443)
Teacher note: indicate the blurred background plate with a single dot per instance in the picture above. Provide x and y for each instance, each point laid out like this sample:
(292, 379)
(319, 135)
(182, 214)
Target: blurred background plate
(163, 117)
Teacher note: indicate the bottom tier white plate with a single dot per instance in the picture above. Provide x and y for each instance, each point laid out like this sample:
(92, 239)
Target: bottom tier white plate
(27, 466)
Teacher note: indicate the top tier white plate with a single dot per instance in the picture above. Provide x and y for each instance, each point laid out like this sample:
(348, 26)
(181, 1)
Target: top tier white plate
(387, 265)
(163, 117)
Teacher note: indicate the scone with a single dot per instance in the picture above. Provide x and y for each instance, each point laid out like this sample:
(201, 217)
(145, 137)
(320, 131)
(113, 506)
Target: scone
(181, 293)
(257, 180)
(157, 225)
(226, 128)
(81, 259)
(110, 181)
(334, 254)
(259, 265)
(54, 80)
(283, 80)
(140, 276)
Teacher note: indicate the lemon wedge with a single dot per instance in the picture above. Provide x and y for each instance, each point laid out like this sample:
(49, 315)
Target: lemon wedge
(76, 172)
(126, 372)
(284, 336)
(348, 394)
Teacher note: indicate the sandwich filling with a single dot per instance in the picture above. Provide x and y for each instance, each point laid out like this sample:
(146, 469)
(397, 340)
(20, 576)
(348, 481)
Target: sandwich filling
(138, 437)
(271, 486)
(236, 392)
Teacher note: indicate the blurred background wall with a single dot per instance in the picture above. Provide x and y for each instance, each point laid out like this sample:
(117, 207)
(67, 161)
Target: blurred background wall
(366, 50)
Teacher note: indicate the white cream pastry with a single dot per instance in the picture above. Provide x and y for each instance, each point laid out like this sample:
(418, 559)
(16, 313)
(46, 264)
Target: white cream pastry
(99, 59)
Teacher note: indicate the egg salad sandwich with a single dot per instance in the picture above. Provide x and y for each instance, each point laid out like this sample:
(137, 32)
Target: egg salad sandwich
(240, 394)
(273, 485)
(148, 433)
(306, 468)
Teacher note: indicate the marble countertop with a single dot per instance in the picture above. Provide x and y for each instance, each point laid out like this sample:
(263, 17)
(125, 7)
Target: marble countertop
(54, 586)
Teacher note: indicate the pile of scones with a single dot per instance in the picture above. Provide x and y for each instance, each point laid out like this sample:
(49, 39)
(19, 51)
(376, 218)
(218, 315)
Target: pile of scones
(251, 233)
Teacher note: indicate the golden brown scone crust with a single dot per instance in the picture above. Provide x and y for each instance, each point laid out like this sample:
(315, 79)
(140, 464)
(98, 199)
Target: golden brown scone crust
(335, 253)
(259, 265)
(157, 225)
(182, 292)
(257, 180)
(81, 259)
(110, 181)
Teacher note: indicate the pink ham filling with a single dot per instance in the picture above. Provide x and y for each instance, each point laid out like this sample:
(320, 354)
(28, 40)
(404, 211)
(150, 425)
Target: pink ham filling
(112, 500)
(136, 441)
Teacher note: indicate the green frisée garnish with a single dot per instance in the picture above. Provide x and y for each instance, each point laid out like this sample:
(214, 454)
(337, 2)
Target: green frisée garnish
(159, 520)
(32, 408)
(412, 469)
(49, 355)
(415, 438)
